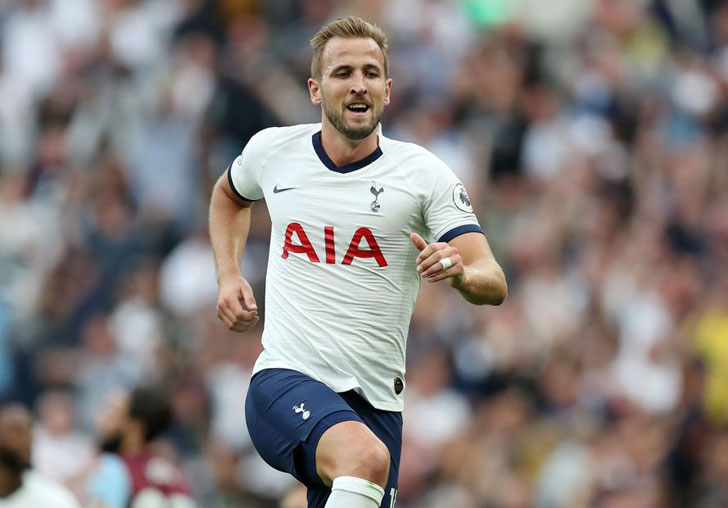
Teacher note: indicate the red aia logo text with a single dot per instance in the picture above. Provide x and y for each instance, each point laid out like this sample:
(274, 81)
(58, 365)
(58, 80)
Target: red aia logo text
(303, 245)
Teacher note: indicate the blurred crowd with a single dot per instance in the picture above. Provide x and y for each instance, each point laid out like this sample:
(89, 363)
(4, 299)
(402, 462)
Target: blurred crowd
(591, 135)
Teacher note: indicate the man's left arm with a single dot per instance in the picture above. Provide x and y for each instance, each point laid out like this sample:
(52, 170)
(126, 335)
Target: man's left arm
(467, 263)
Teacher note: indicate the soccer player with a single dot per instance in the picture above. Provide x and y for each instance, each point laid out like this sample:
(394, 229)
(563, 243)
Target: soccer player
(129, 473)
(350, 210)
(20, 487)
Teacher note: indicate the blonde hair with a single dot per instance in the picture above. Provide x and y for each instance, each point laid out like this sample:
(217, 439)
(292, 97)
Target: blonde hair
(350, 27)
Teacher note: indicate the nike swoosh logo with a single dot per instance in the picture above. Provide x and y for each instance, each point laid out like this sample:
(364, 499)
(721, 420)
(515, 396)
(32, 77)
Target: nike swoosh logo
(276, 190)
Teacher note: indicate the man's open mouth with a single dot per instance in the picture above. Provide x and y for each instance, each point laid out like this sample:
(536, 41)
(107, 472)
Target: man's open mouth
(358, 107)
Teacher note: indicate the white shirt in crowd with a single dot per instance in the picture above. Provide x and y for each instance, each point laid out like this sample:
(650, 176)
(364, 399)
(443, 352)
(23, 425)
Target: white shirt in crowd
(39, 492)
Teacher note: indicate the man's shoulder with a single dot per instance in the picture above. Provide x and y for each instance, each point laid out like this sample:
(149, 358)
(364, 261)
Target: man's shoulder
(411, 154)
(274, 140)
(273, 137)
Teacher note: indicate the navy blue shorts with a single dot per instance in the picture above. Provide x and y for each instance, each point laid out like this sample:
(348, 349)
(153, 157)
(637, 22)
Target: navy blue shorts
(287, 413)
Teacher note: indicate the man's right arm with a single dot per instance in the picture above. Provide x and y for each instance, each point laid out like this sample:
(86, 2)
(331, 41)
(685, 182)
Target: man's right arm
(229, 226)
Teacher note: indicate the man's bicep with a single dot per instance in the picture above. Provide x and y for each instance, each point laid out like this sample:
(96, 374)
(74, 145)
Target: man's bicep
(225, 184)
(243, 174)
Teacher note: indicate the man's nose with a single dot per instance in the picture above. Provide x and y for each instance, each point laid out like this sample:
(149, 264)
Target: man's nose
(358, 85)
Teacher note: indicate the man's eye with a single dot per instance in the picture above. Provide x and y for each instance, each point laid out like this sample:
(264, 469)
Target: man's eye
(342, 75)
(372, 75)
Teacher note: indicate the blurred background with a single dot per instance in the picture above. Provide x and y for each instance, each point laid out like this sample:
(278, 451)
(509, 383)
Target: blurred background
(591, 135)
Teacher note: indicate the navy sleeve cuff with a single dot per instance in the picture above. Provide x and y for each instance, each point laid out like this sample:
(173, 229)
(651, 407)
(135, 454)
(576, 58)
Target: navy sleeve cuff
(460, 230)
(232, 186)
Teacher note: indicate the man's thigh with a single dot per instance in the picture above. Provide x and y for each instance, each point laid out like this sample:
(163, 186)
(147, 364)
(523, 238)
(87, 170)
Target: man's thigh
(286, 414)
(387, 426)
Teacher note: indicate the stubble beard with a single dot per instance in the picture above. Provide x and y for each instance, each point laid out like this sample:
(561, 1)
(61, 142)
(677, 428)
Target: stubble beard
(339, 122)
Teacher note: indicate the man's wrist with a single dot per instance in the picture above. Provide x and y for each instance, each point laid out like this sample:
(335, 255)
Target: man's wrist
(228, 272)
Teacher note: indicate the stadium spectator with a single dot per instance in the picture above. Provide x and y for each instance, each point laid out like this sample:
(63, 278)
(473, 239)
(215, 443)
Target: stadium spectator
(21, 486)
(130, 471)
(61, 452)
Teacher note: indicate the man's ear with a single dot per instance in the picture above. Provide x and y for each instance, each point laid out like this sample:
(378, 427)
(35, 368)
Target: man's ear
(314, 91)
(387, 91)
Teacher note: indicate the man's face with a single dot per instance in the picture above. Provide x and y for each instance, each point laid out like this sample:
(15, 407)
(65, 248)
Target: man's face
(353, 89)
(16, 438)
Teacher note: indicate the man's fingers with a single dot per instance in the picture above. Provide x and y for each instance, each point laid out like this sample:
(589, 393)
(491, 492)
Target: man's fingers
(230, 311)
(434, 249)
(224, 318)
(244, 326)
(249, 299)
(236, 305)
(231, 303)
(241, 314)
(225, 314)
(432, 263)
(444, 274)
(241, 322)
(419, 242)
(246, 315)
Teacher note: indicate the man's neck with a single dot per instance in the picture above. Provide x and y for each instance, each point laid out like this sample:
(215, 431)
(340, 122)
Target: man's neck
(10, 481)
(342, 150)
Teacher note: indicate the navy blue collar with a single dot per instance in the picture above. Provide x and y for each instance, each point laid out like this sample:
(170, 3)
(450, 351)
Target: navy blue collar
(346, 168)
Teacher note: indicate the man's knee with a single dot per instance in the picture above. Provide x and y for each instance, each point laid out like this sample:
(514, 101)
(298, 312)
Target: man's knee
(352, 449)
(374, 457)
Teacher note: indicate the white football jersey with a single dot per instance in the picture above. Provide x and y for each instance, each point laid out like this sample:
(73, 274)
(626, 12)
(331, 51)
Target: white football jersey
(39, 492)
(342, 275)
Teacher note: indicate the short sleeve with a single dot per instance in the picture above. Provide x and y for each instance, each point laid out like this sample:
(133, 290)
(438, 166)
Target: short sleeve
(109, 484)
(448, 212)
(244, 172)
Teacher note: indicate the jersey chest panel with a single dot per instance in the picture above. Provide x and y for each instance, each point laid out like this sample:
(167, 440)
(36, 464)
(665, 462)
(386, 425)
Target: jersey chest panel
(331, 207)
